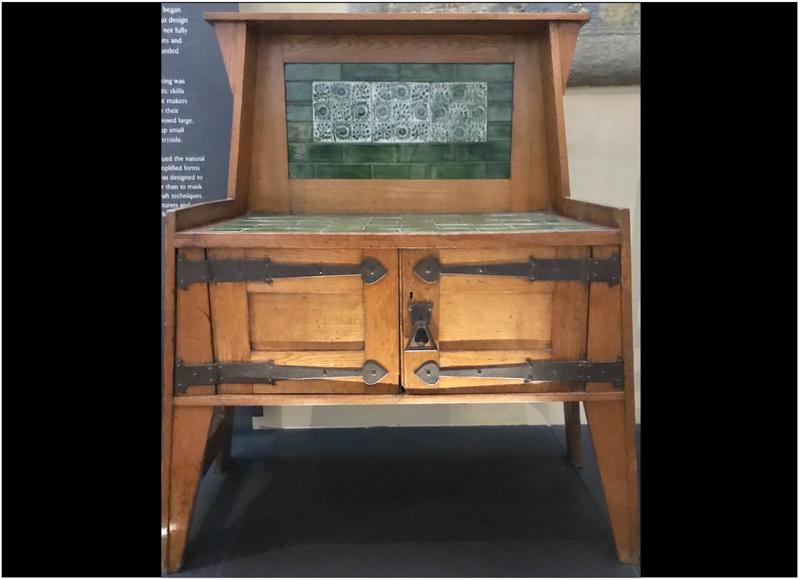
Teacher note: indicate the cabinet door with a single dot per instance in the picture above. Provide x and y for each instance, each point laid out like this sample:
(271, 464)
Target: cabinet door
(337, 321)
(482, 320)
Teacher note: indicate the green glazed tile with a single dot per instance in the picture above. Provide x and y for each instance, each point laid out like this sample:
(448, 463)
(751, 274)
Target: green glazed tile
(313, 152)
(471, 219)
(299, 132)
(370, 153)
(498, 170)
(427, 153)
(303, 112)
(344, 172)
(371, 72)
(485, 72)
(498, 131)
(312, 72)
(500, 112)
(298, 91)
(534, 221)
(457, 171)
(398, 171)
(428, 72)
(500, 92)
(489, 151)
(301, 171)
(343, 228)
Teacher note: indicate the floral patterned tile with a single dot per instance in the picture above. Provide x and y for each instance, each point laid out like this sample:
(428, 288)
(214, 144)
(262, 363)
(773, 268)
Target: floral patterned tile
(399, 112)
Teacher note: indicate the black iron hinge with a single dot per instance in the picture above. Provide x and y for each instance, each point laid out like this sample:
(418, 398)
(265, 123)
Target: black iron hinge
(189, 272)
(584, 269)
(532, 371)
(188, 375)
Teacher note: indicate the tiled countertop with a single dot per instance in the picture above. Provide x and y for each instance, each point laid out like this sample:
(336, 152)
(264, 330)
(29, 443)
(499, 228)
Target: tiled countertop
(542, 221)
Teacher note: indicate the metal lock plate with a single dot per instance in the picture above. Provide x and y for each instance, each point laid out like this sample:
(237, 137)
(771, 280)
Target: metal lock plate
(420, 337)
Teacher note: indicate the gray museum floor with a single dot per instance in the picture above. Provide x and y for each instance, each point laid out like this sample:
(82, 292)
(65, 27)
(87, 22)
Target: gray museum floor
(411, 501)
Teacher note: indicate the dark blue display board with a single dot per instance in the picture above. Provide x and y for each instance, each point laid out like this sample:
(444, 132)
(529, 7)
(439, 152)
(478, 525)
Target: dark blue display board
(195, 107)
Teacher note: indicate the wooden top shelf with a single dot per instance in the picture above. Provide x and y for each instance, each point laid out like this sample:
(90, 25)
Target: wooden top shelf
(397, 23)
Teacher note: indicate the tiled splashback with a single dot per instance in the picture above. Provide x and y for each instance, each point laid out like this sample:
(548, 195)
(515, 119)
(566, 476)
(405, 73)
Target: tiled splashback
(399, 121)
(398, 112)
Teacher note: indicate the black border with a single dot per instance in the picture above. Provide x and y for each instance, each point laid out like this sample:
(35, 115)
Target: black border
(719, 288)
(81, 255)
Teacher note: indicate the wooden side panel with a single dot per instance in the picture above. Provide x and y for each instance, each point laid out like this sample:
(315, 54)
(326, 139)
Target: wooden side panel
(238, 46)
(205, 213)
(529, 171)
(568, 39)
(227, 38)
(589, 212)
(553, 89)
(269, 171)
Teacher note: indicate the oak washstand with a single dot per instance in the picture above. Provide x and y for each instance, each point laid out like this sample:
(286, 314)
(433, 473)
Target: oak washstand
(398, 230)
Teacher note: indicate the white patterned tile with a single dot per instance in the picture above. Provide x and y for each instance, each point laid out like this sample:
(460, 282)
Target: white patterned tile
(399, 112)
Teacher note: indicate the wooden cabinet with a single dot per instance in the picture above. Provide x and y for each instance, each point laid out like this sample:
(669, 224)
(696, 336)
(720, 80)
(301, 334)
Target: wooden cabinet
(398, 230)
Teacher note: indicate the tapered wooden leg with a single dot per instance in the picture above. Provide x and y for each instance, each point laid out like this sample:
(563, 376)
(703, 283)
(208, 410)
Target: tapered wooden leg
(223, 458)
(572, 428)
(612, 427)
(190, 426)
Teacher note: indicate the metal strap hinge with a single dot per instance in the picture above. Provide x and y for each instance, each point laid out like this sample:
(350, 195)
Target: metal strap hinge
(188, 375)
(190, 272)
(583, 269)
(532, 371)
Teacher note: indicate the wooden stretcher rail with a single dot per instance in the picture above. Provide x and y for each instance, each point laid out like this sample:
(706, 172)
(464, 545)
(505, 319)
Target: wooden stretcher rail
(394, 241)
(301, 400)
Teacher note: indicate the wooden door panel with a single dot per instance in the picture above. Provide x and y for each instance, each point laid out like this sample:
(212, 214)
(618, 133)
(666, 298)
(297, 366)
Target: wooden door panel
(495, 316)
(326, 321)
(306, 321)
(495, 320)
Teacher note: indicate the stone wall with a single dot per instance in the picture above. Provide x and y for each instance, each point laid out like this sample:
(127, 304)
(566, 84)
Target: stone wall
(609, 48)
